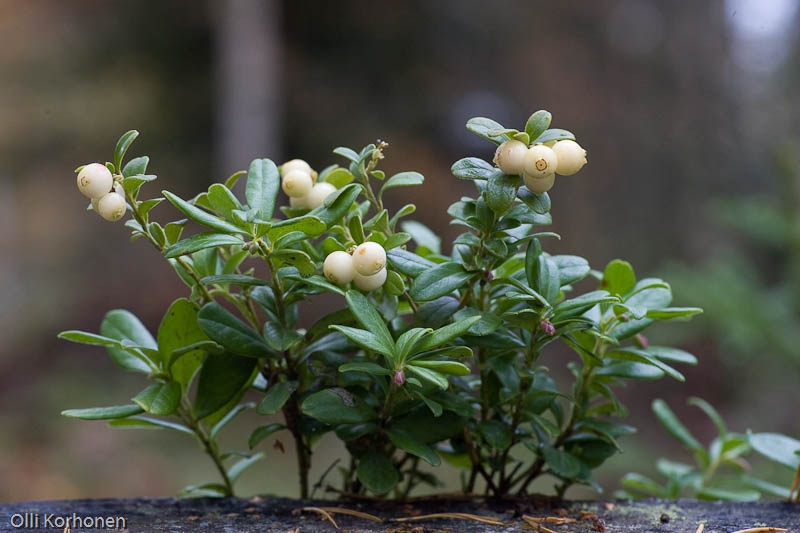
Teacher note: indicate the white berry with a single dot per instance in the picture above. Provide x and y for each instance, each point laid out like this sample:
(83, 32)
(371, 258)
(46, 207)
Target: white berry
(299, 203)
(318, 193)
(111, 207)
(571, 157)
(510, 155)
(297, 183)
(370, 283)
(95, 180)
(338, 268)
(295, 164)
(369, 258)
(540, 161)
(539, 185)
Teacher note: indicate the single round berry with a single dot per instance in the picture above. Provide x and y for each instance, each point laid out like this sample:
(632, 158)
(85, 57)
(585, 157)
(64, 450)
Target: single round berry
(571, 157)
(318, 193)
(539, 185)
(540, 161)
(295, 164)
(299, 203)
(111, 207)
(297, 183)
(95, 180)
(510, 155)
(370, 283)
(338, 268)
(369, 258)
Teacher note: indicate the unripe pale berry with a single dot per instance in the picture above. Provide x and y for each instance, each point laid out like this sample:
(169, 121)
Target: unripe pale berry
(571, 157)
(295, 164)
(370, 283)
(540, 161)
(539, 185)
(510, 155)
(369, 258)
(111, 207)
(297, 183)
(338, 268)
(95, 180)
(300, 203)
(318, 193)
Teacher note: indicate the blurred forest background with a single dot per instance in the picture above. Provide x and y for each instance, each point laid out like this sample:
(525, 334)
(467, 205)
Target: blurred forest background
(690, 112)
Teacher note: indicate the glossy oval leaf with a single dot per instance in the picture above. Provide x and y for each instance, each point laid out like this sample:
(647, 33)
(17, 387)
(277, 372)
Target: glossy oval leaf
(261, 190)
(337, 406)
(103, 413)
(439, 281)
(222, 379)
(201, 241)
(160, 398)
(225, 328)
(377, 472)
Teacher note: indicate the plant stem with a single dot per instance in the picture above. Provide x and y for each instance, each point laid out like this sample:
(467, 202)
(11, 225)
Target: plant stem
(209, 446)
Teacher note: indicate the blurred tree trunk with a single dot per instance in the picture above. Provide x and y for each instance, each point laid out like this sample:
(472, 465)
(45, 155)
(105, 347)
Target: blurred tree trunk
(248, 81)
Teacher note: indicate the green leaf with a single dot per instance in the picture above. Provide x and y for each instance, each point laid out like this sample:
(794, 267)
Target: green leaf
(730, 494)
(222, 379)
(554, 134)
(394, 284)
(538, 203)
(641, 356)
(629, 369)
(122, 146)
(226, 329)
(293, 258)
(406, 442)
(179, 330)
(453, 368)
(144, 422)
(668, 313)
(201, 241)
(135, 166)
(243, 464)
(673, 355)
(377, 473)
(202, 217)
(579, 305)
(103, 413)
(408, 263)
(347, 153)
(123, 325)
(472, 168)
(496, 433)
(571, 268)
(276, 396)
(160, 398)
(206, 490)
(537, 123)
(337, 176)
(439, 281)
(675, 427)
(366, 339)
(262, 432)
(234, 178)
(423, 236)
(710, 413)
(643, 485)
(372, 369)
(431, 376)
(337, 406)
(261, 191)
(369, 318)
(223, 201)
(234, 279)
(446, 334)
(486, 128)
(776, 447)
(501, 191)
(307, 224)
(618, 278)
(402, 179)
(225, 420)
(560, 462)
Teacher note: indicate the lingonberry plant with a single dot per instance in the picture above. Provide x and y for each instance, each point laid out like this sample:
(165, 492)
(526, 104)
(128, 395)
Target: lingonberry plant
(431, 354)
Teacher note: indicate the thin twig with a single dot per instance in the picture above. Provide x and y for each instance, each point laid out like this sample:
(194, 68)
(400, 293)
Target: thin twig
(460, 516)
(318, 484)
(325, 514)
(761, 530)
(351, 512)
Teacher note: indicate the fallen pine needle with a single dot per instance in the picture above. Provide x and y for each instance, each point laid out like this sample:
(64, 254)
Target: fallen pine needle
(761, 530)
(556, 520)
(461, 516)
(700, 528)
(359, 514)
(325, 514)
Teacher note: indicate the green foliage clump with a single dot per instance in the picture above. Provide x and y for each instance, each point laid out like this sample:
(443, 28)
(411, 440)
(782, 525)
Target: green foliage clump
(439, 358)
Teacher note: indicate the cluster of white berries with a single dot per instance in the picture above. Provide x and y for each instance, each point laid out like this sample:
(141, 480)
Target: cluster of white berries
(366, 267)
(539, 164)
(108, 198)
(300, 184)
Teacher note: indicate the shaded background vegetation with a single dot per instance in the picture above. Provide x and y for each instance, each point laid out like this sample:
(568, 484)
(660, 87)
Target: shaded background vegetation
(679, 104)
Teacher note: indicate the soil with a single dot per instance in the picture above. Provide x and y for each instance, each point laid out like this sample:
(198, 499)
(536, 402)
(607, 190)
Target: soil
(421, 515)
